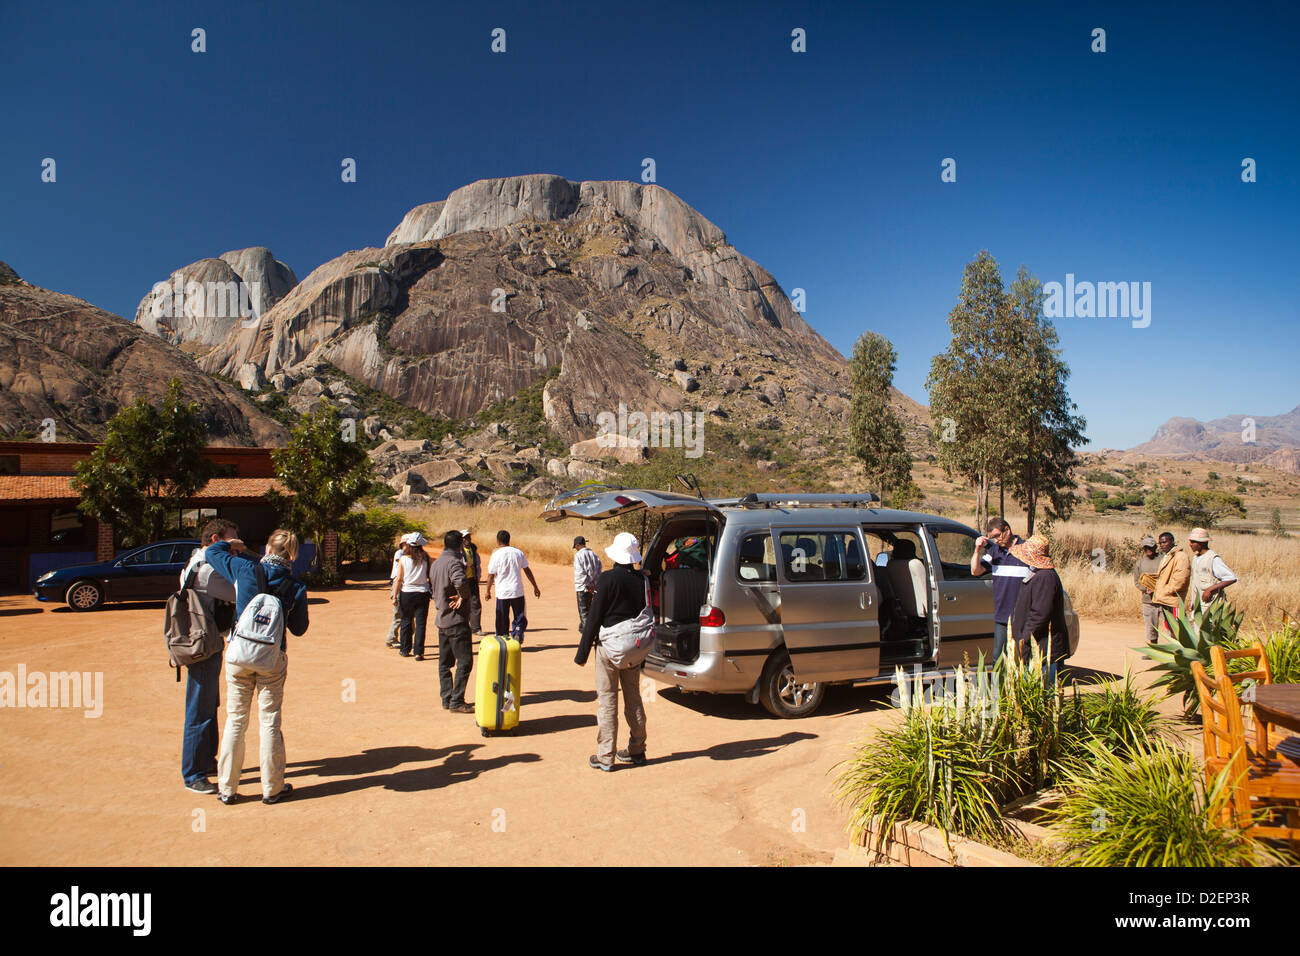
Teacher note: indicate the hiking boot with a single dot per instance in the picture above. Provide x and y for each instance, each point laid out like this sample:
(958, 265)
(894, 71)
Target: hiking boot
(202, 785)
(594, 763)
(229, 798)
(461, 708)
(282, 795)
(635, 760)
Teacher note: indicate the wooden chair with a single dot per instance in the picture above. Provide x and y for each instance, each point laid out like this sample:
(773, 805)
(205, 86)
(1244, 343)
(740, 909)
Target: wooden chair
(1256, 784)
(1266, 738)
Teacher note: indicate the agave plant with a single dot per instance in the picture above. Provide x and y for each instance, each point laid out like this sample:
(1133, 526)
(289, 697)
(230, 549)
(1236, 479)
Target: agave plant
(1195, 630)
(1151, 807)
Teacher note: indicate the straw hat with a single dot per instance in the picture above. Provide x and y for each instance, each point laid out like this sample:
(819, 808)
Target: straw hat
(1034, 552)
(625, 549)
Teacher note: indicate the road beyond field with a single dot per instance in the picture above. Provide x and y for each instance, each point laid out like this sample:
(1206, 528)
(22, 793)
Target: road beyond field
(392, 778)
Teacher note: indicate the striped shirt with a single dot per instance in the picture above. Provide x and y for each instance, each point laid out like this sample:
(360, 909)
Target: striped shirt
(586, 570)
(1009, 573)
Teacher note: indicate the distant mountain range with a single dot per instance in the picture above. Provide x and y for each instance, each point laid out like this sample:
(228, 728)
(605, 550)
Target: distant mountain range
(1272, 440)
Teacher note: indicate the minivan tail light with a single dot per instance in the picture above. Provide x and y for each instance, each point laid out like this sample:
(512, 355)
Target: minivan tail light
(711, 616)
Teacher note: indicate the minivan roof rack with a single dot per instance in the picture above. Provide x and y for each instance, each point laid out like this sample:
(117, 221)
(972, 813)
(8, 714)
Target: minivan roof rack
(798, 500)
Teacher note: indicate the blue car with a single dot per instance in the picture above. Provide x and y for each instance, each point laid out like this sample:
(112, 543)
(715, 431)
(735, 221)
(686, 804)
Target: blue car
(150, 573)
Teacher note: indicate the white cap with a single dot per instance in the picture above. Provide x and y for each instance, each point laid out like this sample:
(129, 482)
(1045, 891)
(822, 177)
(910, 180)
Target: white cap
(415, 539)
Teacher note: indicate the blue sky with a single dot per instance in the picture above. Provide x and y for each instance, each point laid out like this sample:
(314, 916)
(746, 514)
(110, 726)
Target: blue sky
(823, 166)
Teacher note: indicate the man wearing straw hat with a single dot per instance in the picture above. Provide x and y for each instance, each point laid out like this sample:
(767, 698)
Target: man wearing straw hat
(1040, 608)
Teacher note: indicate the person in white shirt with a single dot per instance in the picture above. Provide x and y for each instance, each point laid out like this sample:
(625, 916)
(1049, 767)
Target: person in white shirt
(411, 594)
(586, 573)
(391, 640)
(504, 569)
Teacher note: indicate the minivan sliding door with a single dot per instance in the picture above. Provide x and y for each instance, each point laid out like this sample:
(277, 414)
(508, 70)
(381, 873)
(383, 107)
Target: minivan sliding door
(828, 603)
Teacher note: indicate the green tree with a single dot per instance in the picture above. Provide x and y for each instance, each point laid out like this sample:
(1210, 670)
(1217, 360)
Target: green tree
(1275, 526)
(1036, 425)
(1191, 507)
(325, 476)
(875, 432)
(965, 396)
(151, 461)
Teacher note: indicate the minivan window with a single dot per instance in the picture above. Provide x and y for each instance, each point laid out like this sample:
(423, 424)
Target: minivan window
(822, 556)
(955, 549)
(755, 560)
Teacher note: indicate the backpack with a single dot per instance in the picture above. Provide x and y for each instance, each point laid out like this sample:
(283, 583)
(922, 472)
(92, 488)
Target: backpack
(190, 632)
(628, 643)
(257, 639)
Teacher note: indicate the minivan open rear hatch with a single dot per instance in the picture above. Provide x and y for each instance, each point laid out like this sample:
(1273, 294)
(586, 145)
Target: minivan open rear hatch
(598, 502)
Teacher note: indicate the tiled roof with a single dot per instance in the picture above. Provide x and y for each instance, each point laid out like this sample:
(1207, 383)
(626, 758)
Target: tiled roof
(59, 488)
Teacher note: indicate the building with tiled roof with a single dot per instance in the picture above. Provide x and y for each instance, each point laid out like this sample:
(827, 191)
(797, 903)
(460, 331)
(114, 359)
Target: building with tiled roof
(41, 528)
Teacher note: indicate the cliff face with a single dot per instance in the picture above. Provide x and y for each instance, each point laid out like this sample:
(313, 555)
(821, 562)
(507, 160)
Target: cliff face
(635, 296)
(62, 358)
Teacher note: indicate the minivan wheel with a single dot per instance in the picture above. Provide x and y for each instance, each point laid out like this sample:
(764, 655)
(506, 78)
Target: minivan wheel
(85, 596)
(783, 694)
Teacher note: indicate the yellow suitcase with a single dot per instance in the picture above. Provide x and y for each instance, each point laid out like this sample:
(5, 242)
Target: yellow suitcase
(496, 697)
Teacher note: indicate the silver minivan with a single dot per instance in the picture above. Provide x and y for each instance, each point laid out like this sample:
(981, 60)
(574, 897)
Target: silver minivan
(777, 596)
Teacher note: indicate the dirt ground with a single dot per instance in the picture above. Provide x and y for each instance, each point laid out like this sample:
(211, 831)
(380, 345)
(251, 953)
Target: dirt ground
(391, 778)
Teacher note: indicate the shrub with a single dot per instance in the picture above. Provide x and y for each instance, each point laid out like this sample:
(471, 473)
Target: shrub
(1283, 651)
(960, 755)
(1150, 807)
(1195, 630)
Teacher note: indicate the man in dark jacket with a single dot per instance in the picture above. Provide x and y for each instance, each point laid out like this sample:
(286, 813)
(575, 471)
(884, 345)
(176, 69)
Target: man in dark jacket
(620, 595)
(451, 592)
(474, 574)
(1040, 607)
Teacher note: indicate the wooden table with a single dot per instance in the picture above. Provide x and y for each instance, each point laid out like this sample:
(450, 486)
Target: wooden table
(1278, 704)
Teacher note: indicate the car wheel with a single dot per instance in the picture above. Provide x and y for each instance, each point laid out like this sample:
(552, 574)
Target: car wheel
(783, 694)
(85, 596)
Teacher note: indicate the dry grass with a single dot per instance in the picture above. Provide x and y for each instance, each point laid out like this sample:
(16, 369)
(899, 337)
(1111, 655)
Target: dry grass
(1265, 566)
(543, 542)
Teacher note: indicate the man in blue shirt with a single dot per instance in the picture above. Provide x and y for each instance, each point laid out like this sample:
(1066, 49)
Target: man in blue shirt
(993, 553)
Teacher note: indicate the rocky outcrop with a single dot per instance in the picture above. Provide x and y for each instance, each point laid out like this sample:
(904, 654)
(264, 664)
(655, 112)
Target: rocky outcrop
(62, 358)
(203, 304)
(478, 296)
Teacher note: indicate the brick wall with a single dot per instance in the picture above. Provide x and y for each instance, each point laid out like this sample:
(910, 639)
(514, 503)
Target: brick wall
(104, 542)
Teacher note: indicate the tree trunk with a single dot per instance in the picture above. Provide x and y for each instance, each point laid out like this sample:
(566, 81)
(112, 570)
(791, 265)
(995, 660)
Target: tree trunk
(1002, 498)
(1032, 508)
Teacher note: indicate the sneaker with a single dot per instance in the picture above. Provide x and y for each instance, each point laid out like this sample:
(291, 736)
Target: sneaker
(419, 657)
(635, 760)
(202, 785)
(594, 763)
(462, 708)
(390, 644)
(229, 798)
(400, 654)
(283, 794)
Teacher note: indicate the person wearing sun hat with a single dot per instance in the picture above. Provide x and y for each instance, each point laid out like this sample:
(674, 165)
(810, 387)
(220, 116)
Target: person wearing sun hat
(620, 596)
(1040, 607)
(1144, 579)
(1210, 575)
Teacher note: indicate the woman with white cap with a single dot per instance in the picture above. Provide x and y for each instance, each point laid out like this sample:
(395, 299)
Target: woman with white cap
(620, 596)
(411, 594)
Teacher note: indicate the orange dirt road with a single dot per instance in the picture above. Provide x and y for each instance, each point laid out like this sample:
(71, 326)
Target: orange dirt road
(392, 778)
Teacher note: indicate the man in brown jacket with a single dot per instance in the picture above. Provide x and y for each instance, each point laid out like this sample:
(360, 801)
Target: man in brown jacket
(451, 596)
(1172, 578)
